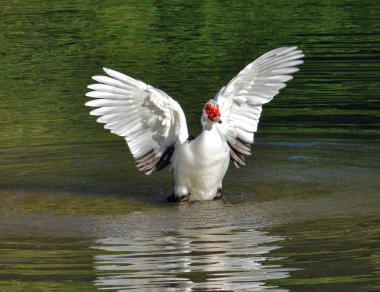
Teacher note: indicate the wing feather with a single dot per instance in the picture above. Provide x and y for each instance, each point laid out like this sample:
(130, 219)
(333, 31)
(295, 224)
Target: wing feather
(149, 120)
(241, 101)
(103, 88)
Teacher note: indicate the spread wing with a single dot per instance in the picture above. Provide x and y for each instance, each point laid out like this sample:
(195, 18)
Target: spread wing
(148, 119)
(240, 102)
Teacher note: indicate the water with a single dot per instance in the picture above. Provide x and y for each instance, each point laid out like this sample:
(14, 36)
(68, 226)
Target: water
(303, 215)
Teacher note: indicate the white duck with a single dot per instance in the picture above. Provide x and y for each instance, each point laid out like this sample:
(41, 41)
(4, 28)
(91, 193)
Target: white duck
(154, 125)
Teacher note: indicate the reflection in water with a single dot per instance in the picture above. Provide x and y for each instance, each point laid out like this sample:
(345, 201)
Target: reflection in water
(66, 180)
(216, 258)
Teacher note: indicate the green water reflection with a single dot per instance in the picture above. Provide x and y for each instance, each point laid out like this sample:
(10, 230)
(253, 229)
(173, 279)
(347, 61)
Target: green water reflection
(50, 50)
(335, 254)
(311, 187)
(42, 263)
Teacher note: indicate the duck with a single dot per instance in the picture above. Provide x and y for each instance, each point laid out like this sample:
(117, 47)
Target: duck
(155, 129)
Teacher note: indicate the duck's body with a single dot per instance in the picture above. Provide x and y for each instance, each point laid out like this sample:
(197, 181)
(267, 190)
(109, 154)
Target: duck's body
(200, 165)
(154, 125)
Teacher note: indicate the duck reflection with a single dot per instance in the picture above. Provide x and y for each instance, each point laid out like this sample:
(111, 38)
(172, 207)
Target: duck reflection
(200, 258)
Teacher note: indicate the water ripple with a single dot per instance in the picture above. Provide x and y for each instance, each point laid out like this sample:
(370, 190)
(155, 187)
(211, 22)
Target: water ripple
(217, 258)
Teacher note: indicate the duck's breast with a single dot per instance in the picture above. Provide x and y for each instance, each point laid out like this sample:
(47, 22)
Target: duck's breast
(199, 166)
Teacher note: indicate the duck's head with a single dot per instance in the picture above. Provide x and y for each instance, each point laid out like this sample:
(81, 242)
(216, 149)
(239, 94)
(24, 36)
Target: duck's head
(211, 112)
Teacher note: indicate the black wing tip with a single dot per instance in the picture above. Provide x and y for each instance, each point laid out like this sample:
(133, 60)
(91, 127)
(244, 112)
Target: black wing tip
(147, 162)
(165, 158)
(151, 162)
(238, 151)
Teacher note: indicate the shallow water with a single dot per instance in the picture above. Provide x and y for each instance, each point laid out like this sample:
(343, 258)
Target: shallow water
(303, 215)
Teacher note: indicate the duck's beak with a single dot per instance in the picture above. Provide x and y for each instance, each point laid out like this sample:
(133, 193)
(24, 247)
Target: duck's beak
(217, 119)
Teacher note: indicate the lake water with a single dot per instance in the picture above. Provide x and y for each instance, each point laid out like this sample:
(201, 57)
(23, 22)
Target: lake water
(76, 215)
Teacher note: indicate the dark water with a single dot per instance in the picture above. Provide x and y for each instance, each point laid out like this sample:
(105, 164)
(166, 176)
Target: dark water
(303, 215)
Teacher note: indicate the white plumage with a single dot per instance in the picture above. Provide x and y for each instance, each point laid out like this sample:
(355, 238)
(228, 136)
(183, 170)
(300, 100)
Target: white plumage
(154, 125)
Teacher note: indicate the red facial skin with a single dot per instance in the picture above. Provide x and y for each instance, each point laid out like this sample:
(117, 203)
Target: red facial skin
(213, 113)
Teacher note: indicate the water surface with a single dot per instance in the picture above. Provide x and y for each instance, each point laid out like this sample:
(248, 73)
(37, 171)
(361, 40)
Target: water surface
(303, 215)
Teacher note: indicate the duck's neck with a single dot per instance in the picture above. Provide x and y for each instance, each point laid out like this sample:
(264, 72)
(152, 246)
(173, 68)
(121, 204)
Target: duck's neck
(207, 124)
(209, 141)
(209, 131)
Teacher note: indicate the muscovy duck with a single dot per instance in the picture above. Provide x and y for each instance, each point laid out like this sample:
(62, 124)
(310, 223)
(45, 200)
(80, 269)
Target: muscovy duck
(154, 125)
